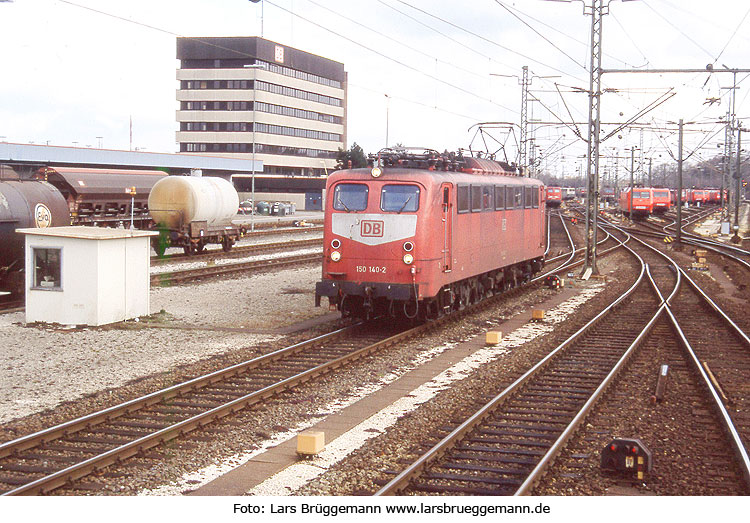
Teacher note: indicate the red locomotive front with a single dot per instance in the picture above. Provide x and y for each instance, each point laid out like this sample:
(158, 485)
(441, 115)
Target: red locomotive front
(554, 196)
(421, 242)
(662, 200)
(642, 201)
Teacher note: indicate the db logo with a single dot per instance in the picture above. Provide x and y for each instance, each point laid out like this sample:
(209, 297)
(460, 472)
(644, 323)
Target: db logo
(372, 228)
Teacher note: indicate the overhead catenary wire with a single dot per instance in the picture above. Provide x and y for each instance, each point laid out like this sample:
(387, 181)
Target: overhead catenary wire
(381, 35)
(488, 40)
(444, 35)
(389, 58)
(218, 46)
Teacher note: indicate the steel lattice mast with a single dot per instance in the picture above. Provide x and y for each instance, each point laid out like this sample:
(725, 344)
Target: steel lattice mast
(598, 10)
(524, 119)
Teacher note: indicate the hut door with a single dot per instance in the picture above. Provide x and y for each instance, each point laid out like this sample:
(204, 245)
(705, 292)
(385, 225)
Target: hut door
(447, 227)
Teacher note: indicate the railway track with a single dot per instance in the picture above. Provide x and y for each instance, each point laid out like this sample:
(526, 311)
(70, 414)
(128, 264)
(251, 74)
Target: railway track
(239, 251)
(164, 279)
(509, 444)
(66, 455)
(8, 307)
(57, 457)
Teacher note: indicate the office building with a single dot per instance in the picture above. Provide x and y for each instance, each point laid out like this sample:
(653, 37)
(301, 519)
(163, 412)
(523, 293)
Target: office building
(251, 98)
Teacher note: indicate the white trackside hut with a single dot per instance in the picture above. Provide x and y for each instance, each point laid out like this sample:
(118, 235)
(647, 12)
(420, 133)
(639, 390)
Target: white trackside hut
(86, 275)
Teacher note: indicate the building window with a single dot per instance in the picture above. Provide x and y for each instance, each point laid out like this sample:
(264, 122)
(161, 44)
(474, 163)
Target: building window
(298, 93)
(47, 269)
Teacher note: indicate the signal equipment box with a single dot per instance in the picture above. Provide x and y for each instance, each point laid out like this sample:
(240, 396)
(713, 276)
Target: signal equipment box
(627, 455)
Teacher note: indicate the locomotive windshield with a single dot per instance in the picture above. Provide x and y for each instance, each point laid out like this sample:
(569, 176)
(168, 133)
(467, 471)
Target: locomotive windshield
(399, 198)
(641, 194)
(350, 197)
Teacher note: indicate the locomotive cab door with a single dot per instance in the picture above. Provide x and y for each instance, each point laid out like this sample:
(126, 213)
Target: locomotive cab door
(447, 218)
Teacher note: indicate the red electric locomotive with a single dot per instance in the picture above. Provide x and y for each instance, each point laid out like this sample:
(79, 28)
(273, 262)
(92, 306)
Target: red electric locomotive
(714, 196)
(662, 200)
(643, 203)
(554, 196)
(699, 197)
(421, 235)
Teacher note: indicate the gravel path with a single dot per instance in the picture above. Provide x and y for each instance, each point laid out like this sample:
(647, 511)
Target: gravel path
(44, 366)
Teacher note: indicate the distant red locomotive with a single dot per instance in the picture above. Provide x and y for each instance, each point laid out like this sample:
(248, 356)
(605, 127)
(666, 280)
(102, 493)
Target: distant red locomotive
(642, 202)
(421, 235)
(662, 200)
(699, 196)
(646, 201)
(554, 196)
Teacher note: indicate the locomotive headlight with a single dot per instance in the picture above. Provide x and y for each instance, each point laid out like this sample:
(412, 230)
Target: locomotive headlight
(376, 172)
(335, 256)
(408, 259)
(408, 246)
(335, 243)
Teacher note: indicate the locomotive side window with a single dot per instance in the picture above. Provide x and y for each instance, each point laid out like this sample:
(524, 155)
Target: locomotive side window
(499, 197)
(462, 198)
(488, 198)
(399, 198)
(47, 271)
(350, 197)
(509, 198)
(518, 197)
(535, 196)
(476, 198)
(529, 191)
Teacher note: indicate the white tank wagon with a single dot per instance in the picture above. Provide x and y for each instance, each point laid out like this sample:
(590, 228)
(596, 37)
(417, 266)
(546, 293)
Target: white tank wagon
(193, 211)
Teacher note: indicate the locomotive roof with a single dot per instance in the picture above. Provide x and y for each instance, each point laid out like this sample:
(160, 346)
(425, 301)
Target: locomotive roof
(400, 174)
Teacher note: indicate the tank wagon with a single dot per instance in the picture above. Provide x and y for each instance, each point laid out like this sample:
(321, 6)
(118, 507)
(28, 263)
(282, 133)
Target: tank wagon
(25, 203)
(193, 211)
(60, 196)
(103, 197)
(419, 235)
(554, 196)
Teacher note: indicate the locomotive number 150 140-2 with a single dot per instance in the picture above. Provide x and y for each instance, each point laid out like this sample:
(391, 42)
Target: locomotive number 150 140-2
(371, 268)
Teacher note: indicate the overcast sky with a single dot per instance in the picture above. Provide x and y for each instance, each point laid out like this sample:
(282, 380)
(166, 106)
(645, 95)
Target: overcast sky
(72, 75)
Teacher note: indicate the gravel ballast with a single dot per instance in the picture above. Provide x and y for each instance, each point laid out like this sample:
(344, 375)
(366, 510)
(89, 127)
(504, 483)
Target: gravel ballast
(45, 365)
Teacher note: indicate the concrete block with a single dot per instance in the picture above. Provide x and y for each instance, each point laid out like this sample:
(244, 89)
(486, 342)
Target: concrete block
(493, 337)
(310, 442)
(537, 314)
